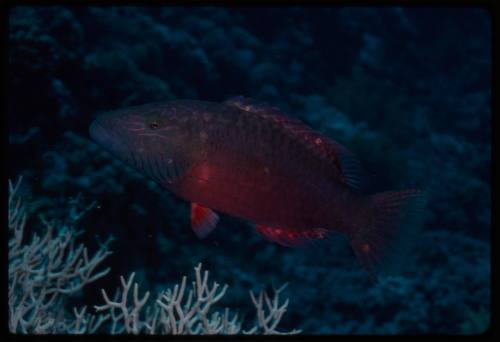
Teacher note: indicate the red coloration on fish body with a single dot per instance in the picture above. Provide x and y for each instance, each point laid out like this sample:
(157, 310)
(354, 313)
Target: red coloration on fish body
(250, 160)
(265, 171)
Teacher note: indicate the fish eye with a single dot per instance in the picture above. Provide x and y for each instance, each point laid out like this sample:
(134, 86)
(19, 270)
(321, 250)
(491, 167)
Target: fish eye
(154, 125)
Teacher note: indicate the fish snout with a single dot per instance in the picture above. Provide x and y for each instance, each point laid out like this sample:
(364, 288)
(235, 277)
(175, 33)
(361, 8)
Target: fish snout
(97, 131)
(107, 137)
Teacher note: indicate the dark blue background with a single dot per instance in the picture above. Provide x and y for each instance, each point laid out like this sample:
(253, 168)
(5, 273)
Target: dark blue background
(406, 89)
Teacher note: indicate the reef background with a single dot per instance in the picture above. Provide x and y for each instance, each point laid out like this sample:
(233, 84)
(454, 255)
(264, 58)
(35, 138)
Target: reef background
(406, 89)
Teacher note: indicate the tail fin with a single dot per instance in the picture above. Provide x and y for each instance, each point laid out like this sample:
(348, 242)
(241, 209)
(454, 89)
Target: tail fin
(381, 247)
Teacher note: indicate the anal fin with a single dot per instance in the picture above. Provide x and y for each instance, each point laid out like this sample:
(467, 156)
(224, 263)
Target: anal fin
(291, 237)
(203, 220)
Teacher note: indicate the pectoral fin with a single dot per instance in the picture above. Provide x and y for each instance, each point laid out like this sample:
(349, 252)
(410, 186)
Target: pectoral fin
(203, 220)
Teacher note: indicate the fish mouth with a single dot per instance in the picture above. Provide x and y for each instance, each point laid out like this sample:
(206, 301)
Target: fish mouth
(99, 133)
(107, 138)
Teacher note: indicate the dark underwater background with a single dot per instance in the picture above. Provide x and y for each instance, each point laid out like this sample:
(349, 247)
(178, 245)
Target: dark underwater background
(406, 89)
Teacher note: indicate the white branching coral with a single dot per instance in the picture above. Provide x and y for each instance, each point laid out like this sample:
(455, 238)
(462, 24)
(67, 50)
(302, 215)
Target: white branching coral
(267, 323)
(46, 271)
(43, 272)
(175, 312)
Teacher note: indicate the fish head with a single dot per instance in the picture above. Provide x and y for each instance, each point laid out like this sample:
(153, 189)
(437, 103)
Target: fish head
(140, 135)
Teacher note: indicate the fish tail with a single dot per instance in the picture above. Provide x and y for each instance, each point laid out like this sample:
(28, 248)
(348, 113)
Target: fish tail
(382, 244)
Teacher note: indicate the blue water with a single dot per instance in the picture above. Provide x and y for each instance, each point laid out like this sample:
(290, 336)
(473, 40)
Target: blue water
(406, 89)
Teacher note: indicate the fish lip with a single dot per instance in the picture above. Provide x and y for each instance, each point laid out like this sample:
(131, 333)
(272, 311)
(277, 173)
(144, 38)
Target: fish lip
(98, 132)
(101, 130)
(105, 136)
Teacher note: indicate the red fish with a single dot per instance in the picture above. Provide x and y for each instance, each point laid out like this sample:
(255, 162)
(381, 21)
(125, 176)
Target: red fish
(250, 160)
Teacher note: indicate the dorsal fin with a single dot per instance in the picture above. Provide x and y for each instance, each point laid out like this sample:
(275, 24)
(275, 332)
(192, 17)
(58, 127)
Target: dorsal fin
(345, 162)
(253, 106)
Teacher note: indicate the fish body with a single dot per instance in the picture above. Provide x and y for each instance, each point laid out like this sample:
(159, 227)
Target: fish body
(248, 159)
(252, 168)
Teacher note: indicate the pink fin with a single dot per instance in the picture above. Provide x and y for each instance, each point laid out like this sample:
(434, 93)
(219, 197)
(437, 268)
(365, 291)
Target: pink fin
(381, 246)
(291, 237)
(203, 220)
(346, 167)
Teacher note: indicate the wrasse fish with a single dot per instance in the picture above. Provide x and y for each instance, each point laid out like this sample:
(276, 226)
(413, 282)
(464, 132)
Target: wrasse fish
(250, 160)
